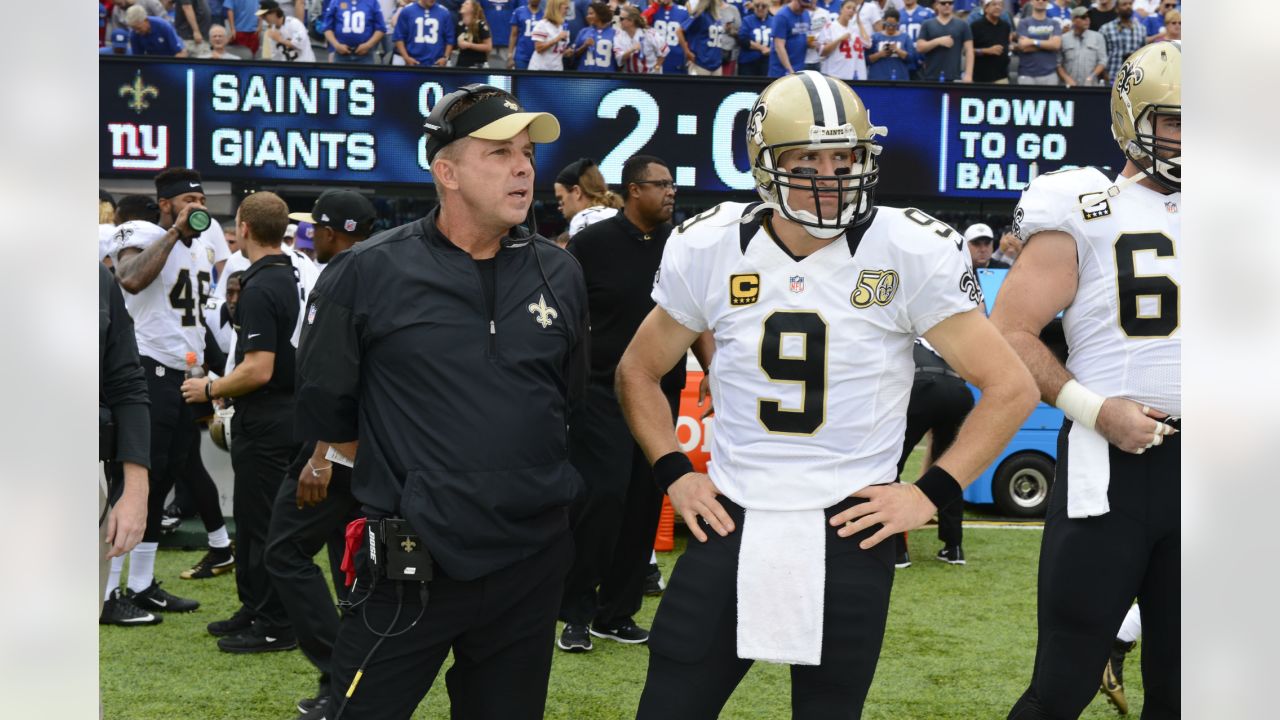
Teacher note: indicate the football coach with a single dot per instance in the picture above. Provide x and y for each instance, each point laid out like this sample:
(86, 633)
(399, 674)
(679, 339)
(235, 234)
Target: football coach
(443, 356)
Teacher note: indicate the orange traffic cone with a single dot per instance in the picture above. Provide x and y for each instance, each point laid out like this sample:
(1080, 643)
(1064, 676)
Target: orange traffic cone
(665, 541)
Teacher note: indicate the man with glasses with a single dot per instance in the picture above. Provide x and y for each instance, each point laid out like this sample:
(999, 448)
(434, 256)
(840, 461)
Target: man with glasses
(943, 42)
(1039, 40)
(615, 518)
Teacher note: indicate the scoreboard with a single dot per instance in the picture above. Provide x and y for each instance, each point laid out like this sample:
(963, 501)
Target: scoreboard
(331, 124)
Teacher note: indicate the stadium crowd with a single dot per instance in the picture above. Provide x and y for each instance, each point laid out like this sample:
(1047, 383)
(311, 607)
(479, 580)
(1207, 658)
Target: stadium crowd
(1039, 42)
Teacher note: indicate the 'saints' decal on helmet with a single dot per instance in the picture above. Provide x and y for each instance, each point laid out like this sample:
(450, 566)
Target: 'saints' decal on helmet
(810, 110)
(1149, 84)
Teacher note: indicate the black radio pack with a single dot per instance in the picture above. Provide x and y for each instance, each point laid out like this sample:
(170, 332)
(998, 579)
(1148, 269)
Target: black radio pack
(396, 552)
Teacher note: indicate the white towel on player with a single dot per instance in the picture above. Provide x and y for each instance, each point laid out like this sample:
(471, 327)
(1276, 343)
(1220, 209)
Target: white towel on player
(1089, 465)
(782, 567)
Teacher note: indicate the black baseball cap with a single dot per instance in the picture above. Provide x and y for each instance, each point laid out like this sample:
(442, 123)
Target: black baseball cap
(343, 210)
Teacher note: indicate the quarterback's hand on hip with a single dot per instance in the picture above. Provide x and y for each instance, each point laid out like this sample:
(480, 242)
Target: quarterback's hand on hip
(704, 395)
(898, 507)
(1131, 427)
(694, 496)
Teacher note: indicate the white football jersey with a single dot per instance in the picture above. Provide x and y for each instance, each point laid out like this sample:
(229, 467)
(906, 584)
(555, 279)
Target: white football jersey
(106, 232)
(1123, 327)
(168, 314)
(306, 272)
(217, 239)
(590, 216)
(813, 365)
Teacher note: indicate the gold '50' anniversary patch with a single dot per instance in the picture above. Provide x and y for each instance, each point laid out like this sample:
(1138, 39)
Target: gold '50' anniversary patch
(744, 289)
(875, 287)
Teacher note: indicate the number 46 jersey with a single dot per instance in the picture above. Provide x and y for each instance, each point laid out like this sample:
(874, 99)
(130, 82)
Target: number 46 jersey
(168, 314)
(1122, 328)
(813, 365)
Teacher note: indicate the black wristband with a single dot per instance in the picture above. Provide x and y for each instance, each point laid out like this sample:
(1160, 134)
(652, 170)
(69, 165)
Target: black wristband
(208, 388)
(670, 468)
(938, 485)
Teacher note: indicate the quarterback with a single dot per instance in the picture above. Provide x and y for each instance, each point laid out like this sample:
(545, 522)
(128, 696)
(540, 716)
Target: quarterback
(814, 297)
(1105, 252)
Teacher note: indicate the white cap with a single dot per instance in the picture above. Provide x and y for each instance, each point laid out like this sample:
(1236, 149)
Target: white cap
(979, 230)
(291, 230)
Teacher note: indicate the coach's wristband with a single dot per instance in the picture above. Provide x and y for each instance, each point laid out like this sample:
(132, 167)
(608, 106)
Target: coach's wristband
(938, 485)
(670, 468)
(1079, 403)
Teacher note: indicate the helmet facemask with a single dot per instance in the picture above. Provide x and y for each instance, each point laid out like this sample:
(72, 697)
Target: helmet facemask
(1159, 158)
(854, 189)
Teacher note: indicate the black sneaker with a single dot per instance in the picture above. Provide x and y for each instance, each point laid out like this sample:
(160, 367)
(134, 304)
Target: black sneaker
(903, 561)
(258, 640)
(574, 638)
(306, 705)
(241, 621)
(314, 708)
(952, 554)
(624, 632)
(156, 598)
(320, 711)
(218, 561)
(653, 582)
(120, 610)
(172, 518)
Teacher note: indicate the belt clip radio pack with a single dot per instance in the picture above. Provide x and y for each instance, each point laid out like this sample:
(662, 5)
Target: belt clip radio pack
(396, 553)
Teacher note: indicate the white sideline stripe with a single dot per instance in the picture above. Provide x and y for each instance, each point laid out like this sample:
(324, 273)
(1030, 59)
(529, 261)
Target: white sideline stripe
(983, 525)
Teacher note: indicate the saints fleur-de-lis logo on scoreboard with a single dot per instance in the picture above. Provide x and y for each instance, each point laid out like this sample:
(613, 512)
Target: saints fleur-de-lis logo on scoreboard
(138, 92)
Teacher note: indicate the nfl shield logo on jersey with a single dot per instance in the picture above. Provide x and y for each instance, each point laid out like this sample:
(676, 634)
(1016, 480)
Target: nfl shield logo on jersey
(797, 283)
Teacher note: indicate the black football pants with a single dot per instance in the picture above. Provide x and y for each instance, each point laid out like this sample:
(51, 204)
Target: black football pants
(693, 659)
(939, 403)
(615, 518)
(1091, 569)
(500, 627)
(296, 535)
(261, 448)
(173, 434)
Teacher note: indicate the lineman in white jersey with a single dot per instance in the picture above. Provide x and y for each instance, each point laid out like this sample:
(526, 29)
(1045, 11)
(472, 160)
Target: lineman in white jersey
(1107, 255)
(814, 298)
(164, 275)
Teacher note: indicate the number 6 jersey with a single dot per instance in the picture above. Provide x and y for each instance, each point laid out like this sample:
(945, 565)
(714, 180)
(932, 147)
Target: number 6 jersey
(1122, 328)
(813, 365)
(168, 314)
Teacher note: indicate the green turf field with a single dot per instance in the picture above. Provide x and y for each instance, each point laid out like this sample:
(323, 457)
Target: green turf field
(959, 644)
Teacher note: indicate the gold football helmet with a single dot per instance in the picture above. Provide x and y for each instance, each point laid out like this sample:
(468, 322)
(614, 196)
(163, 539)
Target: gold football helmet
(810, 110)
(1149, 83)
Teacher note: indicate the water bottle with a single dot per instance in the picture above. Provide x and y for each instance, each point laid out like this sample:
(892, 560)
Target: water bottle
(193, 370)
(198, 220)
(202, 411)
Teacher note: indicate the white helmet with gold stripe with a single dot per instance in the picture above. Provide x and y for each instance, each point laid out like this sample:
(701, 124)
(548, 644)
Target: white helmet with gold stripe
(811, 110)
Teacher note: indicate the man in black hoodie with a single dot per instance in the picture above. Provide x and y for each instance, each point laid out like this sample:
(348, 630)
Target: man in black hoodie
(443, 356)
